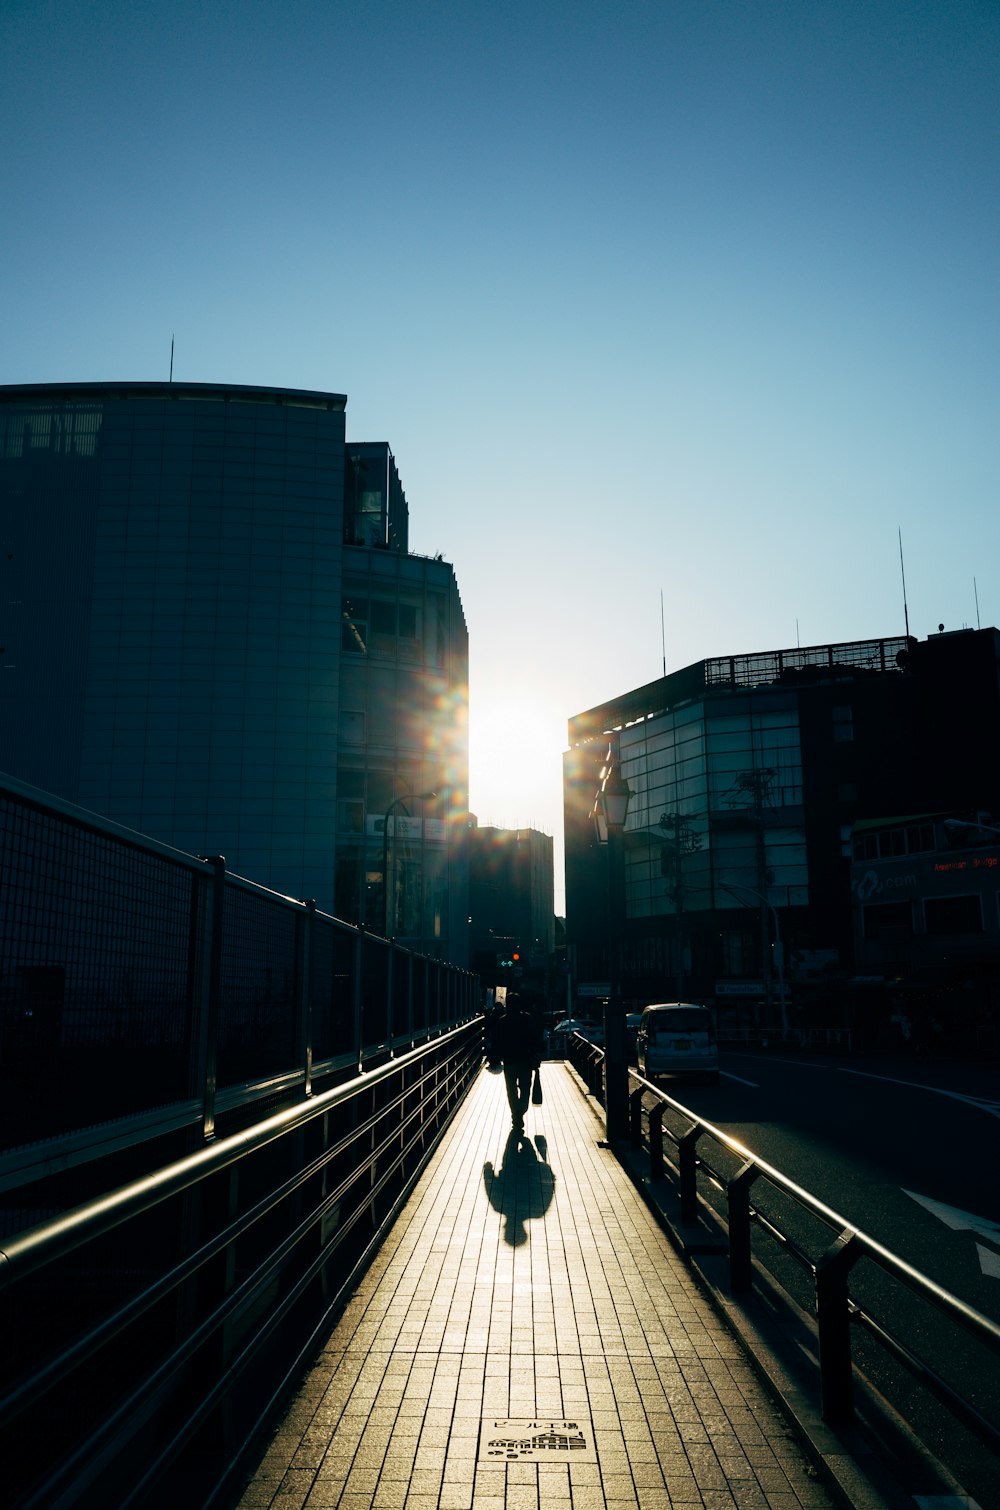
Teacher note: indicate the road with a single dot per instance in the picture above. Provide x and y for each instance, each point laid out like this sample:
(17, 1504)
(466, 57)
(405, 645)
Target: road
(907, 1151)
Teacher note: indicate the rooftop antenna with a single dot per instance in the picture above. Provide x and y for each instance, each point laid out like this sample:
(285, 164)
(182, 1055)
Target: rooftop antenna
(171, 358)
(975, 589)
(906, 612)
(663, 634)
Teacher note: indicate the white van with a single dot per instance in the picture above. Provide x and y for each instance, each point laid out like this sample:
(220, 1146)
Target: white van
(677, 1038)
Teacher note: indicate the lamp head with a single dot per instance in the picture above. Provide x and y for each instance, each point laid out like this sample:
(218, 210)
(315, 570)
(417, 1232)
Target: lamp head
(614, 798)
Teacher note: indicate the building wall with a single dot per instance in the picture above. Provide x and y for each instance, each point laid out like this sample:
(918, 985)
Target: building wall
(403, 732)
(511, 899)
(743, 799)
(172, 617)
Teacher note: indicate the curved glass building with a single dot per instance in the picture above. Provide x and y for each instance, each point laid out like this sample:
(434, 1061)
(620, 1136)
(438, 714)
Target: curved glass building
(211, 631)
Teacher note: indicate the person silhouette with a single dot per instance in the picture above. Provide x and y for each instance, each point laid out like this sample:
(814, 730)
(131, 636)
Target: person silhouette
(517, 1041)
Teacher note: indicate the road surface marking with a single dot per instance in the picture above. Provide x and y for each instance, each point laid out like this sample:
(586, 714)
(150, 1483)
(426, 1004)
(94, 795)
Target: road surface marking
(728, 1076)
(946, 1502)
(992, 1107)
(954, 1217)
(964, 1221)
(989, 1261)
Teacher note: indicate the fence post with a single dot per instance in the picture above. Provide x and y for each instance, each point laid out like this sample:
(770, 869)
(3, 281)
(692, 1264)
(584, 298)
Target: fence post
(738, 1197)
(656, 1141)
(635, 1117)
(390, 985)
(303, 944)
(204, 1036)
(359, 963)
(833, 1316)
(687, 1148)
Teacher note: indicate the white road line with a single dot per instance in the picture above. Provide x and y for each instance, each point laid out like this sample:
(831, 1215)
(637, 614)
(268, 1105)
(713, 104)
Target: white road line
(991, 1107)
(989, 1262)
(946, 1502)
(728, 1076)
(955, 1218)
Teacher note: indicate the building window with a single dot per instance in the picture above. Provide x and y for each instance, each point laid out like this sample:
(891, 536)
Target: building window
(913, 839)
(350, 816)
(953, 915)
(919, 838)
(843, 725)
(738, 953)
(351, 727)
(885, 920)
(354, 625)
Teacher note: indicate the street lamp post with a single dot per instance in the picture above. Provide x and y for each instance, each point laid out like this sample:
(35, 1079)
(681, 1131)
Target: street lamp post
(610, 811)
(958, 825)
(389, 891)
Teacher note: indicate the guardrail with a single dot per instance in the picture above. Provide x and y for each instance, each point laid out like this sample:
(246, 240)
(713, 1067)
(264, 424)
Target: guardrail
(796, 1228)
(150, 1333)
(146, 993)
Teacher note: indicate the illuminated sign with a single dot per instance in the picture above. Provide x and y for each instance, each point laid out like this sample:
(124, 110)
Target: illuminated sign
(978, 862)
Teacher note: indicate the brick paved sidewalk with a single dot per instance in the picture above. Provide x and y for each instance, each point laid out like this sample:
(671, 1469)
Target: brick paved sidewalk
(527, 1337)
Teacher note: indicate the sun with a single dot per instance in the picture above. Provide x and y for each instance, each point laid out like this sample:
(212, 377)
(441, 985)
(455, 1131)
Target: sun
(515, 762)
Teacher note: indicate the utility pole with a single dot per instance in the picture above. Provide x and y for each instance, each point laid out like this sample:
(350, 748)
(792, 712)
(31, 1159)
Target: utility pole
(685, 841)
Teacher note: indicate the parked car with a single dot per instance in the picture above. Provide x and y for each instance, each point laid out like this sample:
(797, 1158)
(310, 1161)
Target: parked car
(562, 1032)
(632, 1024)
(677, 1038)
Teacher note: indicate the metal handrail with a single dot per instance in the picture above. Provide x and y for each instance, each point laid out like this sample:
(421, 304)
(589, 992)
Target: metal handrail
(384, 1149)
(836, 1309)
(205, 992)
(27, 1251)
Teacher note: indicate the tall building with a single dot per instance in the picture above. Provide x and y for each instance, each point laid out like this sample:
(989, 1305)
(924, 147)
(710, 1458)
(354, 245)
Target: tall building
(511, 905)
(212, 631)
(747, 775)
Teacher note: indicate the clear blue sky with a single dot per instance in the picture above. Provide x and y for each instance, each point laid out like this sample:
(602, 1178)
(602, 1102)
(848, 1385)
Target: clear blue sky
(697, 297)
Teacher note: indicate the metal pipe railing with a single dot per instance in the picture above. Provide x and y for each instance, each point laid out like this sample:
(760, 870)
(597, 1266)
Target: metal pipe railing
(836, 1308)
(135, 977)
(310, 1190)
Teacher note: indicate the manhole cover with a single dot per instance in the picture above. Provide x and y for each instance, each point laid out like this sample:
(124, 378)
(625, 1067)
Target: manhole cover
(529, 1440)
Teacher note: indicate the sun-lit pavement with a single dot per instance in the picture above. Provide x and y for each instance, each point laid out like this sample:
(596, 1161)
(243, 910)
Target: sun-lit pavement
(528, 1337)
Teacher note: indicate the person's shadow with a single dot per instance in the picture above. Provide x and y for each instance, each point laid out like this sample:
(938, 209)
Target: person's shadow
(522, 1187)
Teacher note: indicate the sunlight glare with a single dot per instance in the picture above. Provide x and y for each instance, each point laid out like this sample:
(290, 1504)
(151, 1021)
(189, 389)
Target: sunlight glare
(515, 762)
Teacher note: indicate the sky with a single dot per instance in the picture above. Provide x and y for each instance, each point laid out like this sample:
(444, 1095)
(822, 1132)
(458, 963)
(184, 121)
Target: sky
(680, 318)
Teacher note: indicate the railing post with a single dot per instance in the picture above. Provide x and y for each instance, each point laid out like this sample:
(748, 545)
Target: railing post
(303, 943)
(635, 1117)
(205, 1037)
(359, 963)
(390, 981)
(833, 1318)
(656, 1141)
(688, 1151)
(738, 1198)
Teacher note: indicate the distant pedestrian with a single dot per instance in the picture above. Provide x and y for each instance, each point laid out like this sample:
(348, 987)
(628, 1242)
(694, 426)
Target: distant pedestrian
(517, 1038)
(491, 1051)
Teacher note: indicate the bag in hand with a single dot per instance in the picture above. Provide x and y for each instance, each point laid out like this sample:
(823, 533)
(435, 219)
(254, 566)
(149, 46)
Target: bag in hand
(536, 1091)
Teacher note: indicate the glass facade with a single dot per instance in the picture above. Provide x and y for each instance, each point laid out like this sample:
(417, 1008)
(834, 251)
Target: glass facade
(180, 633)
(404, 735)
(716, 817)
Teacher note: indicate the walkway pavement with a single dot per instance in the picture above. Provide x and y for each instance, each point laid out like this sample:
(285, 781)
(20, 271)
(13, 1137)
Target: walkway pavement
(529, 1338)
